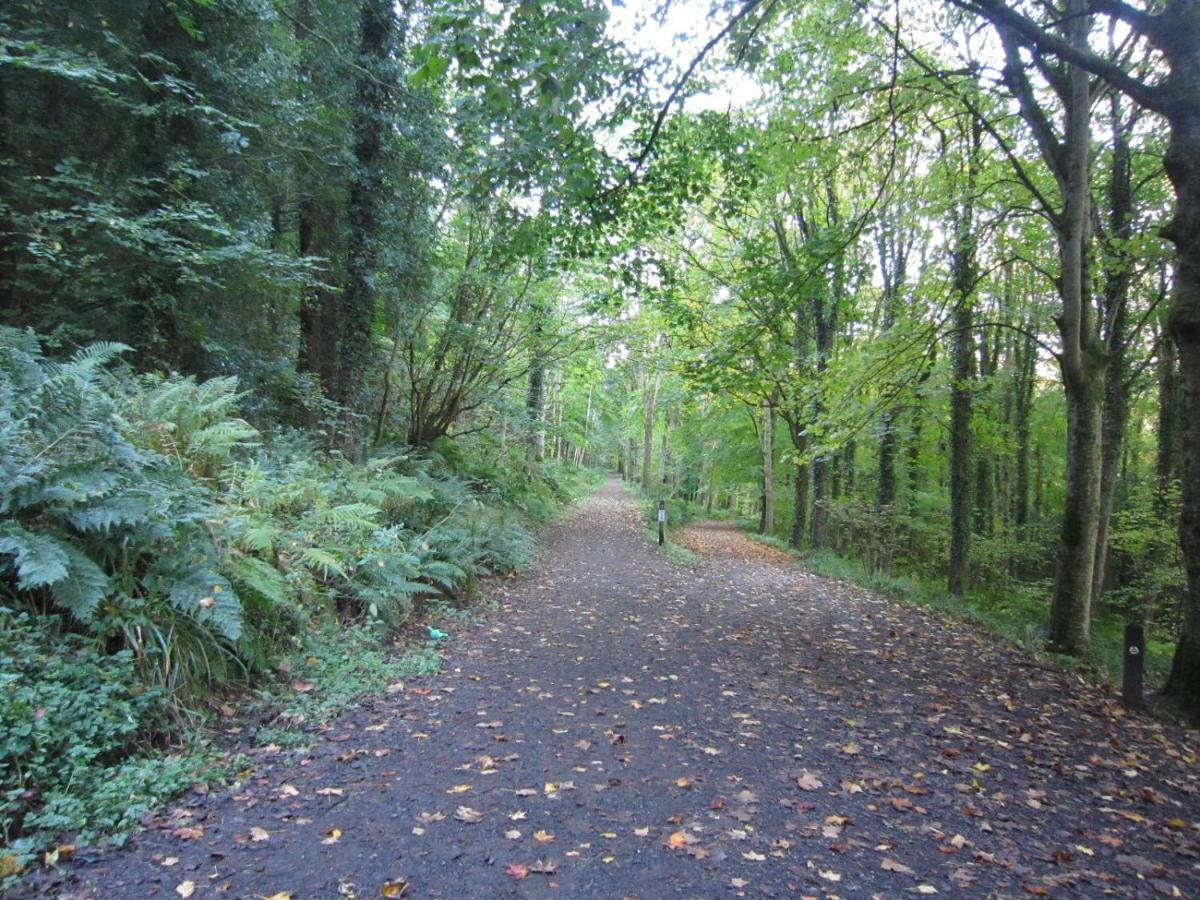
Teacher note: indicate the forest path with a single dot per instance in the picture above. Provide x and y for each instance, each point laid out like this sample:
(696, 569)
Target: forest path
(623, 727)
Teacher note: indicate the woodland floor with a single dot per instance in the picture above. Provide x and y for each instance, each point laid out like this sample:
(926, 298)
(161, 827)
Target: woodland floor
(622, 727)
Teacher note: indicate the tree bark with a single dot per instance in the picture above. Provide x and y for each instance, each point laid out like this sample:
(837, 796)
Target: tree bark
(1082, 363)
(963, 276)
(1169, 426)
(1118, 273)
(377, 26)
(1182, 161)
(649, 401)
(766, 522)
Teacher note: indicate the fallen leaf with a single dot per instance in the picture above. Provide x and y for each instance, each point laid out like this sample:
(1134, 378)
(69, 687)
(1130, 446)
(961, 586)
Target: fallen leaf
(513, 834)
(332, 836)
(543, 837)
(680, 840)
(753, 857)
(809, 782)
(459, 789)
(396, 887)
(185, 888)
(468, 815)
(516, 870)
(890, 865)
(258, 834)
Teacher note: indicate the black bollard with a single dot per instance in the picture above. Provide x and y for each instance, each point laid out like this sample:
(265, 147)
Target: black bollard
(662, 522)
(1134, 670)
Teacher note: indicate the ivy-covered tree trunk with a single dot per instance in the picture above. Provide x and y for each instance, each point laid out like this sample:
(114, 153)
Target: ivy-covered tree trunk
(373, 86)
(1180, 38)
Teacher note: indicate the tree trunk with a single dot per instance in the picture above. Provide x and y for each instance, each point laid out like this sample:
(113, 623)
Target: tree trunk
(649, 401)
(1182, 162)
(377, 25)
(535, 403)
(766, 523)
(1118, 271)
(1169, 425)
(800, 511)
(1026, 362)
(1082, 364)
(963, 275)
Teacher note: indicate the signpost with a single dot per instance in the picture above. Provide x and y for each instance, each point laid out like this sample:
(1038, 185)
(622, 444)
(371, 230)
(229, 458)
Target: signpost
(1134, 670)
(662, 521)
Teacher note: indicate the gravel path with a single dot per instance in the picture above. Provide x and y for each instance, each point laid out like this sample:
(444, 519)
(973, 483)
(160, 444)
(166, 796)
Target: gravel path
(623, 727)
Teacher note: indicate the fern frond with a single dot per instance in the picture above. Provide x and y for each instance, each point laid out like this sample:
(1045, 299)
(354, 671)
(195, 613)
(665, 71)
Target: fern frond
(323, 561)
(210, 599)
(40, 558)
(83, 589)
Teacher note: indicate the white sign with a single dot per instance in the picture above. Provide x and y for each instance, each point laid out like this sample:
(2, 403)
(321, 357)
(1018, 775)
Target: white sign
(662, 515)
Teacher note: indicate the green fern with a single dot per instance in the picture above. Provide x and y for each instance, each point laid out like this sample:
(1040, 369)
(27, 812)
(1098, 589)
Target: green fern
(40, 559)
(210, 599)
(323, 561)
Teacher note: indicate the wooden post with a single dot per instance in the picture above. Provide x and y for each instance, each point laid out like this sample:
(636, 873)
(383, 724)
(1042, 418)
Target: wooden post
(1134, 670)
(662, 522)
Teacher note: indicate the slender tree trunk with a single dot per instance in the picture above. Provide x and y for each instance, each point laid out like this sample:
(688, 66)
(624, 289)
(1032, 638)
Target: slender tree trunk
(535, 403)
(649, 401)
(1027, 359)
(964, 267)
(1169, 425)
(1082, 364)
(1118, 274)
(767, 520)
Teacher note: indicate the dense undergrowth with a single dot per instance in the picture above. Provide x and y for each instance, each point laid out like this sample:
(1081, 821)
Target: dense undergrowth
(154, 547)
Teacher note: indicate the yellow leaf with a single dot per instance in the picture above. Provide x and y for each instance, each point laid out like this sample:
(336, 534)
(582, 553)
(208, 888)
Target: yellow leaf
(259, 834)
(680, 840)
(543, 837)
(459, 789)
(397, 887)
(10, 865)
(332, 836)
(185, 888)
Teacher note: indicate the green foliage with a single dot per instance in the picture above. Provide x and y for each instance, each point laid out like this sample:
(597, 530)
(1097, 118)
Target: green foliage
(154, 544)
(71, 715)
